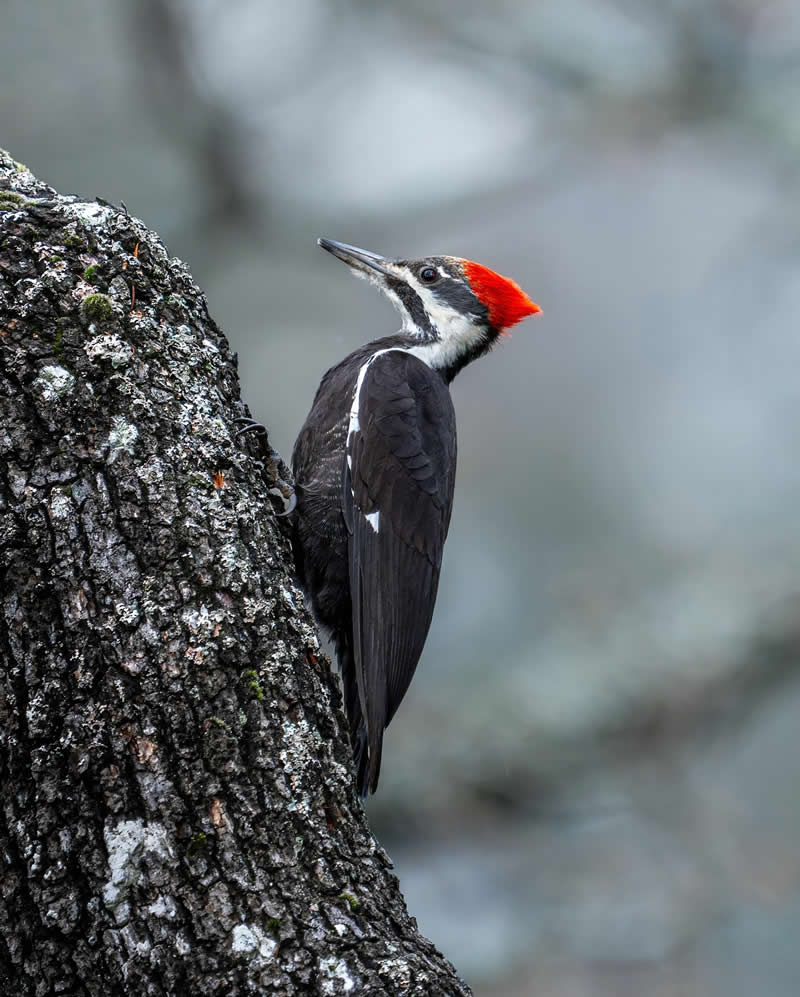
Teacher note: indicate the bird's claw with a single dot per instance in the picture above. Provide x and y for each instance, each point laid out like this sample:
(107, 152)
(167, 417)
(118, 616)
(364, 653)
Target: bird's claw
(289, 502)
(249, 425)
(277, 471)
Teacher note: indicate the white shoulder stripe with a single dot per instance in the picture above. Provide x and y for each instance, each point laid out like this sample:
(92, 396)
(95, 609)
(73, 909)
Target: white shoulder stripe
(354, 425)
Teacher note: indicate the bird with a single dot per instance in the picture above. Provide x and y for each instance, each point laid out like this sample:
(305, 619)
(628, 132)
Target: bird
(374, 471)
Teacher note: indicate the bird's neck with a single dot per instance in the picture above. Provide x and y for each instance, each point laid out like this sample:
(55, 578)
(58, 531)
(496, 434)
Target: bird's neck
(447, 353)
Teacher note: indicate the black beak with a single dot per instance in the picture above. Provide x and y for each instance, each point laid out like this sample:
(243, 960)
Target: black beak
(358, 259)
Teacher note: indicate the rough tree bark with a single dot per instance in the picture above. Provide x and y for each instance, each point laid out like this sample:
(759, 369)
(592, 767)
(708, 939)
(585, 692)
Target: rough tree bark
(178, 811)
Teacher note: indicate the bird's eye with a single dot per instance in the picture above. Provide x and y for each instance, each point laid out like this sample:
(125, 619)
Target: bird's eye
(428, 275)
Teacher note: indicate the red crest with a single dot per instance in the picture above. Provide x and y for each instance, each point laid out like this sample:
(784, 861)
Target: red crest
(505, 299)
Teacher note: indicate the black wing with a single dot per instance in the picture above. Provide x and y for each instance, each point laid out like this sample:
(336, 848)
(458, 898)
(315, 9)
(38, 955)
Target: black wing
(397, 497)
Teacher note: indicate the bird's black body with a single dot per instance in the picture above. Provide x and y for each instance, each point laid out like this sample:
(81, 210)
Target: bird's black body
(375, 588)
(374, 469)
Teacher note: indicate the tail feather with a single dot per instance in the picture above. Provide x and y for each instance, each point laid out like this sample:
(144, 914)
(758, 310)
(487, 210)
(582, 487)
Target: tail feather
(361, 762)
(370, 783)
(367, 764)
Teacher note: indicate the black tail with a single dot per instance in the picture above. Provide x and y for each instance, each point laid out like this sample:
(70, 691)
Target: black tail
(361, 762)
(367, 767)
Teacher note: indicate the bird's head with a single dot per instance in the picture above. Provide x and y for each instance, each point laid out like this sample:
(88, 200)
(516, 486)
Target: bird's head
(453, 310)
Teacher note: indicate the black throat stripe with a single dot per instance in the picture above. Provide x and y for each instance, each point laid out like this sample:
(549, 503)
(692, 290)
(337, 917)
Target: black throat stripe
(413, 305)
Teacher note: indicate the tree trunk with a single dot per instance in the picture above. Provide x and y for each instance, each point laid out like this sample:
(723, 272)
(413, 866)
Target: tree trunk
(178, 809)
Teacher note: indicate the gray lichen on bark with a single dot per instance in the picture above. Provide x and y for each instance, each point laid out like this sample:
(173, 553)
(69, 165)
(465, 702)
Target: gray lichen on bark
(178, 811)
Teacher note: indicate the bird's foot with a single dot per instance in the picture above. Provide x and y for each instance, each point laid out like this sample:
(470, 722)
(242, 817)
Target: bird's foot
(279, 475)
(248, 425)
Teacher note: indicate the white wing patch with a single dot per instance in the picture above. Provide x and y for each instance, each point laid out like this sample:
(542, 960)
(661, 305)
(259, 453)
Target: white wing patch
(374, 520)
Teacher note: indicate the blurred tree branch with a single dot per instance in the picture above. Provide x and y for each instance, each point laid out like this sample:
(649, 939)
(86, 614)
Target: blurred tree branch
(211, 128)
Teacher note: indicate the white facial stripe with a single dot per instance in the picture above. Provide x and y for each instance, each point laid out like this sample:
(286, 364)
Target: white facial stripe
(458, 334)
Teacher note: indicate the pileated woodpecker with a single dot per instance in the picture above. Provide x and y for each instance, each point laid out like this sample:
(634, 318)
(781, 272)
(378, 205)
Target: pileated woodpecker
(374, 469)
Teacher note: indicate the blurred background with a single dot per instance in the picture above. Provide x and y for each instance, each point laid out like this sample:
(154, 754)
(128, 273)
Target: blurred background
(593, 786)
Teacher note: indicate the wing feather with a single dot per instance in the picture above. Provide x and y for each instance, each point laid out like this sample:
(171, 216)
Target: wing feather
(400, 463)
